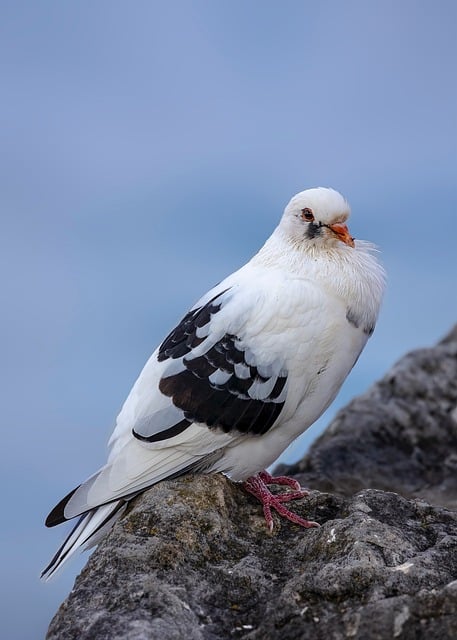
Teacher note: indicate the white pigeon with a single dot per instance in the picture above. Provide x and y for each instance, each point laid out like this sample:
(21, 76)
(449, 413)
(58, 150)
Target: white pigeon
(249, 368)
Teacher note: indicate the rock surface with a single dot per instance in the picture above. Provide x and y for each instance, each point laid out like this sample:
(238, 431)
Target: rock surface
(193, 559)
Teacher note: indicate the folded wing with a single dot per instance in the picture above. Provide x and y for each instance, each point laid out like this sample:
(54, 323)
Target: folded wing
(203, 388)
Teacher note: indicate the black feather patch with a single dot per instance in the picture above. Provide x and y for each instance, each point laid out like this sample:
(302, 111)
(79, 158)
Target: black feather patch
(313, 231)
(165, 434)
(353, 319)
(224, 402)
(184, 337)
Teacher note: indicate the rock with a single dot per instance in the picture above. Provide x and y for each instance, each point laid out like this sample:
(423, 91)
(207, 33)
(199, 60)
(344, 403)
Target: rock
(399, 436)
(192, 557)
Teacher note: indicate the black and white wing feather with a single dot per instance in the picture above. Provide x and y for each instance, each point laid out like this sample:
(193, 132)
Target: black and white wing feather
(203, 388)
(213, 381)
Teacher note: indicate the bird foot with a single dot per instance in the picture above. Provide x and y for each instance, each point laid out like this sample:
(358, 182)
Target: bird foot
(257, 486)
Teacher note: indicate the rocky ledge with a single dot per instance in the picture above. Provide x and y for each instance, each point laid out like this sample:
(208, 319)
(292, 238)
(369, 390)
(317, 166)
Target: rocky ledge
(193, 559)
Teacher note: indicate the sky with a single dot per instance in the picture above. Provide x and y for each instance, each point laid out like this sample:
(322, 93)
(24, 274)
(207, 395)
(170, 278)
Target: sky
(147, 150)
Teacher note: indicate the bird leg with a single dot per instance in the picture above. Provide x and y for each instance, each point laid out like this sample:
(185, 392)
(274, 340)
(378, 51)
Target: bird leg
(257, 486)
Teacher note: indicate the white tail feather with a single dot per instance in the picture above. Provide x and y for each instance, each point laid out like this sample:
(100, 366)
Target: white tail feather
(88, 531)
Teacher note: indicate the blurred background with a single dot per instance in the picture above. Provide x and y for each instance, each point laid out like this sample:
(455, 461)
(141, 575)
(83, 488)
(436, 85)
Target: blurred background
(147, 150)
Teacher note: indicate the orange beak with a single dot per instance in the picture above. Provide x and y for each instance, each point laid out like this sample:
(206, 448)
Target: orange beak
(342, 233)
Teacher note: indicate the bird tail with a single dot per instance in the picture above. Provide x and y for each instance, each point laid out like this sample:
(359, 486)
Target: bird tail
(102, 499)
(87, 532)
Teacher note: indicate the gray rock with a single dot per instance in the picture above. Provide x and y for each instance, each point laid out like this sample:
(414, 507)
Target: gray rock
(192, 558)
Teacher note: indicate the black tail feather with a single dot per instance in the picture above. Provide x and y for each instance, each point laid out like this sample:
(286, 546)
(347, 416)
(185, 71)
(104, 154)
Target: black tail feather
(57, 514)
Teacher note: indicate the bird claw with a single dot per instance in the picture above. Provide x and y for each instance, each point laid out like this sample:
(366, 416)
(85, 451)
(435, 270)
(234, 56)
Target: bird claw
(257, 486)
(281, 480)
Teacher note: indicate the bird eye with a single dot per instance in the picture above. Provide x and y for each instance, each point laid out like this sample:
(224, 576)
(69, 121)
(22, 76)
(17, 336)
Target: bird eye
(307, 214)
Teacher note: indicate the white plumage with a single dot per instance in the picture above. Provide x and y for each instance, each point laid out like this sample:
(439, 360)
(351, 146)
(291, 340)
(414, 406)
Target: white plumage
(251, 366)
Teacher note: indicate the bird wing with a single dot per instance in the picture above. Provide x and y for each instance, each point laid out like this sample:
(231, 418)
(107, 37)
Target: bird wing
(213, 379)
(205, 386)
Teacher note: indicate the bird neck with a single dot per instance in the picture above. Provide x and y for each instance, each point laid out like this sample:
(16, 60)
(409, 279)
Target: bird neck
(352, 274)
(279, 251)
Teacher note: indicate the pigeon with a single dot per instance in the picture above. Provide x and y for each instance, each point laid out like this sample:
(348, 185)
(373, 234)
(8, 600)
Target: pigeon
(248, 369)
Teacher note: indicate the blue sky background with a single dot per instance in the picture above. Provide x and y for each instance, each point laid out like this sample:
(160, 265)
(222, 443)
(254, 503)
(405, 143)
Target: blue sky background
(147, 150)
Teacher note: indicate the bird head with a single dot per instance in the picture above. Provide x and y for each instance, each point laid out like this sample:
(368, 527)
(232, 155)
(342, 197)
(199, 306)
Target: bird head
(317, 217)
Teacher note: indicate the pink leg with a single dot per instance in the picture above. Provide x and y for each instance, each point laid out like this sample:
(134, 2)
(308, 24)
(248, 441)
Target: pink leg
(257, 486)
